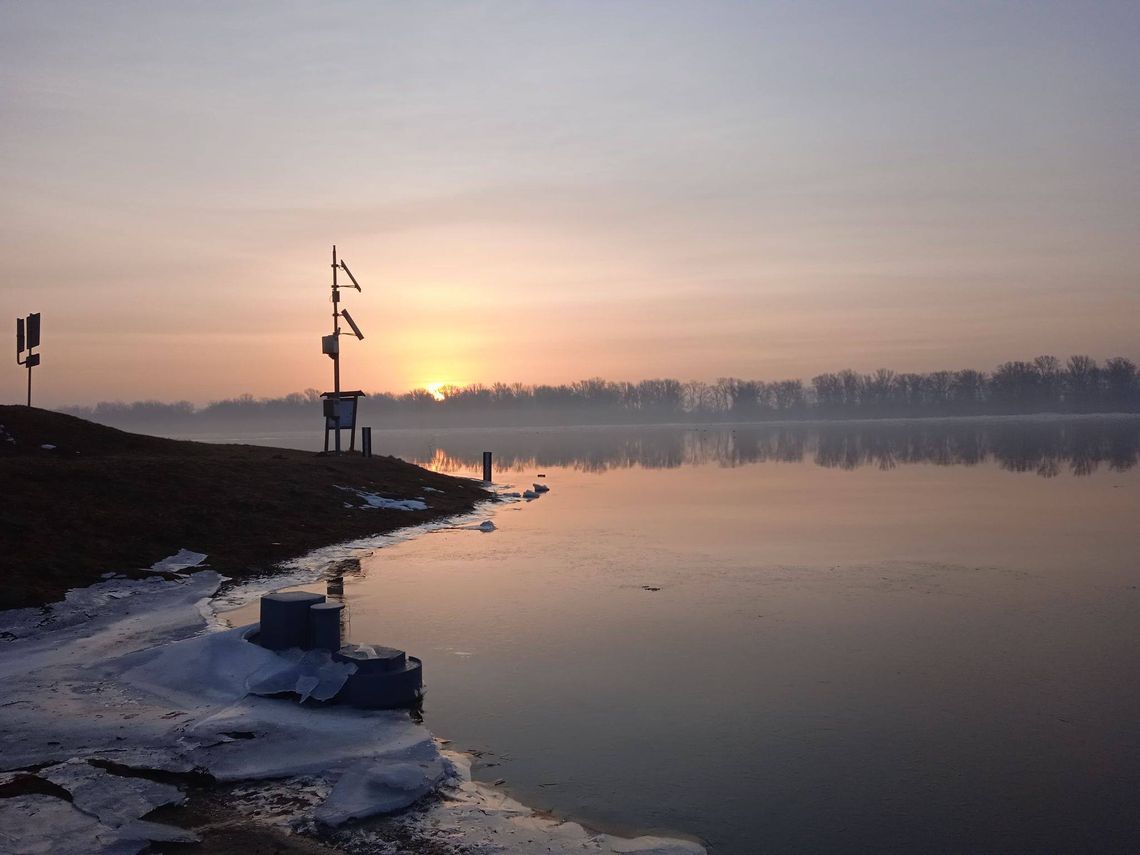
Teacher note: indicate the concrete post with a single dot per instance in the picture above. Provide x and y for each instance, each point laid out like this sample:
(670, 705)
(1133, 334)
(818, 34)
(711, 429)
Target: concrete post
(324, 626)
(285, 619)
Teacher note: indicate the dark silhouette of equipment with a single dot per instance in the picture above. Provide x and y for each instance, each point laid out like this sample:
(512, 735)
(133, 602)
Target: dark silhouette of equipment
(28, 339)
(339, 408)
(340, 414)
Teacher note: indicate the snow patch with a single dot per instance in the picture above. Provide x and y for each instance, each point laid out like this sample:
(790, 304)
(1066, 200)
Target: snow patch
(485, 526)
(184, 559)
(374, 500)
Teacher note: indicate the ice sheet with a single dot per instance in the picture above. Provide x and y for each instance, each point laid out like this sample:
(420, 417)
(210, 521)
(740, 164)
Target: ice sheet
(112, 799)
(34, 824)
(384, 787)
(305, 672)
(373, 500)
(281, 739)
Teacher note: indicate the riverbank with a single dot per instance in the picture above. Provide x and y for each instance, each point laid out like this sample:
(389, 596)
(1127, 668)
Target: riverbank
(81, 500)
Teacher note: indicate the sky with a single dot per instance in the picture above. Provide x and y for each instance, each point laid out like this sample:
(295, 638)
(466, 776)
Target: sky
(542, 192)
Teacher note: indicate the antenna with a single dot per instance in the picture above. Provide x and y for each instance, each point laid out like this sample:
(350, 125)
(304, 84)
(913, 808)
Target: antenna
(344, 314)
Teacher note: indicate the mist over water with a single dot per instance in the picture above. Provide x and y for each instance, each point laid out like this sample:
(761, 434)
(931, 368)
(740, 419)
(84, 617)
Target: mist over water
(1044, 446)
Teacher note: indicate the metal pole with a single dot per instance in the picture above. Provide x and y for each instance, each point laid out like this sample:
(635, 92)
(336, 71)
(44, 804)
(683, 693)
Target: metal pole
(29, 384)
(336, 356)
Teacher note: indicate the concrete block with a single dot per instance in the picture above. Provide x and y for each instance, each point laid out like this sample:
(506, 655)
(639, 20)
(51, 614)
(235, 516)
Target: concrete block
(324, 626)
(285, 619)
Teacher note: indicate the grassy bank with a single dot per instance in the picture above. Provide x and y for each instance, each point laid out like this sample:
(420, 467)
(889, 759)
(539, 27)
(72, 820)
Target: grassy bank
(78, 500)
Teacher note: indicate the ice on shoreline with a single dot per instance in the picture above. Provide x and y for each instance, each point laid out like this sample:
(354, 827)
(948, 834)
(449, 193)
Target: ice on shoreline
(135, 675)
(489, 821)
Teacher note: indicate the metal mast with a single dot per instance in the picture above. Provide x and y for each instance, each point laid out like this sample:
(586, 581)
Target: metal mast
(336, 355)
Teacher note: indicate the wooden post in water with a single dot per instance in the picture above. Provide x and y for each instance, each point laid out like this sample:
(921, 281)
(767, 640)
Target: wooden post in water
(366, 441)
(487, 466)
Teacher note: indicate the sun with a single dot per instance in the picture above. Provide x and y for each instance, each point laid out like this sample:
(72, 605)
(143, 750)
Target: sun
(434, 389)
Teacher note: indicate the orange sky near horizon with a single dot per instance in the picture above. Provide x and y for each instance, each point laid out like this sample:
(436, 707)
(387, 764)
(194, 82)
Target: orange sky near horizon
(625, 190)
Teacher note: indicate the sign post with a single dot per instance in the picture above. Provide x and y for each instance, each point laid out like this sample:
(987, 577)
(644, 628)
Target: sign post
(28, 339)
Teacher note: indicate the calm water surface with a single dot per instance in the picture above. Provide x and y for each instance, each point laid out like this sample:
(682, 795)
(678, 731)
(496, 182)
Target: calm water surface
(882, 640)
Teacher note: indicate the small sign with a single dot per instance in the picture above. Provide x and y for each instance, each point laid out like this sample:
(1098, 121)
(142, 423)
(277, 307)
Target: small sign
(345, 408)
(340, 414)
(33, 330)
(27, 340)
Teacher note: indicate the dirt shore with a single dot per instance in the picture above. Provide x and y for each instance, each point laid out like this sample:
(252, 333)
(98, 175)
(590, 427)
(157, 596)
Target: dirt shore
(79, 500)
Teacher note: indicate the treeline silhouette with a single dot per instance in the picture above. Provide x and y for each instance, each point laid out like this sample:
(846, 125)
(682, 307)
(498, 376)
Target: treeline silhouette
(1047, 447)
(1043, 385)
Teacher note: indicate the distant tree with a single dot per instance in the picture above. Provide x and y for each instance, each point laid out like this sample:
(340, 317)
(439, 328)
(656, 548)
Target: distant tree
(828, 393)
(1082, 378)
(1079, 385)
(788, 396)
(1120, 381)
(968, 390)
(1050, 382)
(939, 386)
(851, 385)
(1015, 387)
(877, 391)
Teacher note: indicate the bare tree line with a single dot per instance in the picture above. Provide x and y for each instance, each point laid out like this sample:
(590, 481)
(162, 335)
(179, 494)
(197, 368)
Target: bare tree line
(1043, 385)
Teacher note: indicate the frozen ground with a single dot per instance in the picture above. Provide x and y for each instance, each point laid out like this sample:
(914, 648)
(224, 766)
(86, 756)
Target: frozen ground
(129, 679)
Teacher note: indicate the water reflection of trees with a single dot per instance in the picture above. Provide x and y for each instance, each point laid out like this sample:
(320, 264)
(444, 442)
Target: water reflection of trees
(1046, 448)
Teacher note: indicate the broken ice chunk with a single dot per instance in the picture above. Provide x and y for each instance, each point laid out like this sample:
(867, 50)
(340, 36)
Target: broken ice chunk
(366, 789)
(113, 799)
